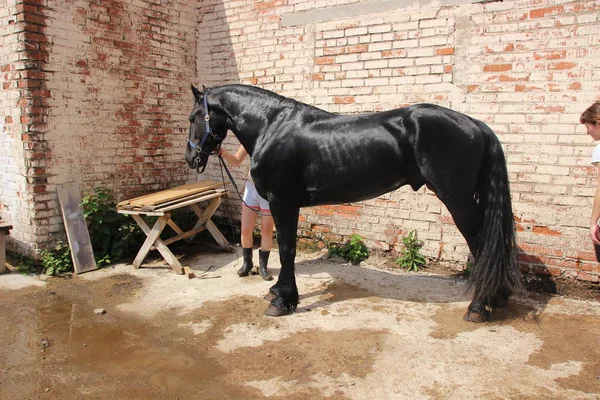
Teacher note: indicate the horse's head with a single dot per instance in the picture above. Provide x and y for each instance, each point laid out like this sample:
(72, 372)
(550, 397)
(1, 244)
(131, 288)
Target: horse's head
(207, 131)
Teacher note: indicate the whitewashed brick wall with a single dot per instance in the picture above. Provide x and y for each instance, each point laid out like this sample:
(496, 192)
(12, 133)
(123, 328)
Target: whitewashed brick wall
(526, 68)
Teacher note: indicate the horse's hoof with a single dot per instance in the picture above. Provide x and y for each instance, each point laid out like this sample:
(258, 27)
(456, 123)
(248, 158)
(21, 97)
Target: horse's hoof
(270, 296)
(274, 311)
(473, 316)
(499, 302)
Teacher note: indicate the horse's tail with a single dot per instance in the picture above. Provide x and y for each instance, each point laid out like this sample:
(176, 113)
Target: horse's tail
(496, 267)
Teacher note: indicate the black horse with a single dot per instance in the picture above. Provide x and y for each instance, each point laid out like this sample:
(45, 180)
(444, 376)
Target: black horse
(303, 156)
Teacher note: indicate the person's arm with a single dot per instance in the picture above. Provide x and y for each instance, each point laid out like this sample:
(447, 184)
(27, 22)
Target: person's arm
(234, 159)
(595, 212)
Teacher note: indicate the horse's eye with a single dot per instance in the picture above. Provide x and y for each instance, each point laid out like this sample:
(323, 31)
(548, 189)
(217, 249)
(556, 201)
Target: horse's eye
(191, 118)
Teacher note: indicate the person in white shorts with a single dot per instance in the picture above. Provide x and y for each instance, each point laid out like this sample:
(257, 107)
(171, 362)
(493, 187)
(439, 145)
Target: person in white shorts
(591, 119)
(251, 204)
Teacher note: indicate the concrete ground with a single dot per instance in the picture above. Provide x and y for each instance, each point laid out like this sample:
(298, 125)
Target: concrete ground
(360, 332)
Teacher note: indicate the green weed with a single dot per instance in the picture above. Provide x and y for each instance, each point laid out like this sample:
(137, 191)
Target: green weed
(354, 250)
(57, 260)
(411, 258)
(113, 235)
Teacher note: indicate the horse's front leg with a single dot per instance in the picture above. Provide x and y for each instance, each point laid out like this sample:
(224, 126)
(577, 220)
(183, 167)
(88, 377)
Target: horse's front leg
(284, 294)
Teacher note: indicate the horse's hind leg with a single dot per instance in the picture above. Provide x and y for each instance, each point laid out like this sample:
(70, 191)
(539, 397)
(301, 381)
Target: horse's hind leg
(284, 294)
(500, 299)
(480, 308)
(466, 216)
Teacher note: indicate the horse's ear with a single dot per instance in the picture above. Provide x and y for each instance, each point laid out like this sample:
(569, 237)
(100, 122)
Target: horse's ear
(196, 93)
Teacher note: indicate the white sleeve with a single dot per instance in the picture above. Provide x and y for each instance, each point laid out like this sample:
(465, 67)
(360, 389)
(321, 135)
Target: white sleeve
(596, 154)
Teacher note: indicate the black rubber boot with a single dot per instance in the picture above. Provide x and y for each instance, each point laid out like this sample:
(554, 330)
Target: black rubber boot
(247, 266)
(263, 260)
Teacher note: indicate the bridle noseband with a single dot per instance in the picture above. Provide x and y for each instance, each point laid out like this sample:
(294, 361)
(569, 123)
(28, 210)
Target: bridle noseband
(201, 156)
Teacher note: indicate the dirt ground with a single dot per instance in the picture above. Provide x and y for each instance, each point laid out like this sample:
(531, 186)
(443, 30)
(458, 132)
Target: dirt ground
(360, 332)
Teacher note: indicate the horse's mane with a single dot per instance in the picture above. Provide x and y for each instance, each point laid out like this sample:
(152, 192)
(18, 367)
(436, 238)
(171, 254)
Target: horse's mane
(265, 97)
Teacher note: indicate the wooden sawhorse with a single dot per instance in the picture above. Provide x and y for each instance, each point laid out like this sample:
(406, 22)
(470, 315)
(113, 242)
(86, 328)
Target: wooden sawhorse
(162, 209)
(4, 232)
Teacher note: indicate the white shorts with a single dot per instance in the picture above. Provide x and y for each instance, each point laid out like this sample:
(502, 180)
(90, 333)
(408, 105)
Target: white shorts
(253, 200)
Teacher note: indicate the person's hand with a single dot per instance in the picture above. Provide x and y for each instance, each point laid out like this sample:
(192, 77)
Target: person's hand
(594, 234)
(220, 151)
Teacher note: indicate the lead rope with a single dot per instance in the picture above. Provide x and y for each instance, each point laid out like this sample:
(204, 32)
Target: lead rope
(237, 254)
(223, 165)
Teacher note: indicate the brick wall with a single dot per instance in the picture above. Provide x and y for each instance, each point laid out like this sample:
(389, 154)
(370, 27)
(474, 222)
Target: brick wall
(527, 68)
(95, 92)
(24, 111)
(10, 141)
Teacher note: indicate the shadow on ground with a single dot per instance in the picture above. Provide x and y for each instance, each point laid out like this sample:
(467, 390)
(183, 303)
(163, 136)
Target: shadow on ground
(332, 281)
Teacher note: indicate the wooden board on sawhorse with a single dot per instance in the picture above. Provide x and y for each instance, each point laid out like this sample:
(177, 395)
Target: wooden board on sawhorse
(161, 204)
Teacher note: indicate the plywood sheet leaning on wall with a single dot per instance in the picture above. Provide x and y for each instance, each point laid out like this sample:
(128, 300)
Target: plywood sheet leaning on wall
(77, 231)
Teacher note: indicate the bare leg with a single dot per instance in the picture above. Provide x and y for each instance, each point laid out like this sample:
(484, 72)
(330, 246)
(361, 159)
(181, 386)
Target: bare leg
(266, 232)
(248, 223)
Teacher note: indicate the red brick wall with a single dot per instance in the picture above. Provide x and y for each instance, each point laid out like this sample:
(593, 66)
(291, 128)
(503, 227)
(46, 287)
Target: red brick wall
(99, 95)
(527, 68)
(25, 117)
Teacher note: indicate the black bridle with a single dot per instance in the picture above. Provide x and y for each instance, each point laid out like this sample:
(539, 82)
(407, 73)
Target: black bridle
(201, 156)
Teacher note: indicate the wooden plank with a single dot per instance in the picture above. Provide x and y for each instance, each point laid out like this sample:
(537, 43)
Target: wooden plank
(145, 196)
(219, 193)
(11, 267)
(189, 272)
(155, 240)
(217, 235)
(138, 212)
(4, 232)
(172, 205)
(2, 251)
(204, 220)
(174, 226)
(184, 235)
(77, 232)
(174, 193)
(168, 203)
(189, 187)
(152, 235)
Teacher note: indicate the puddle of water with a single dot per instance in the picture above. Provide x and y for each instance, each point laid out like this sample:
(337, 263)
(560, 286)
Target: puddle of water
(111, 355)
